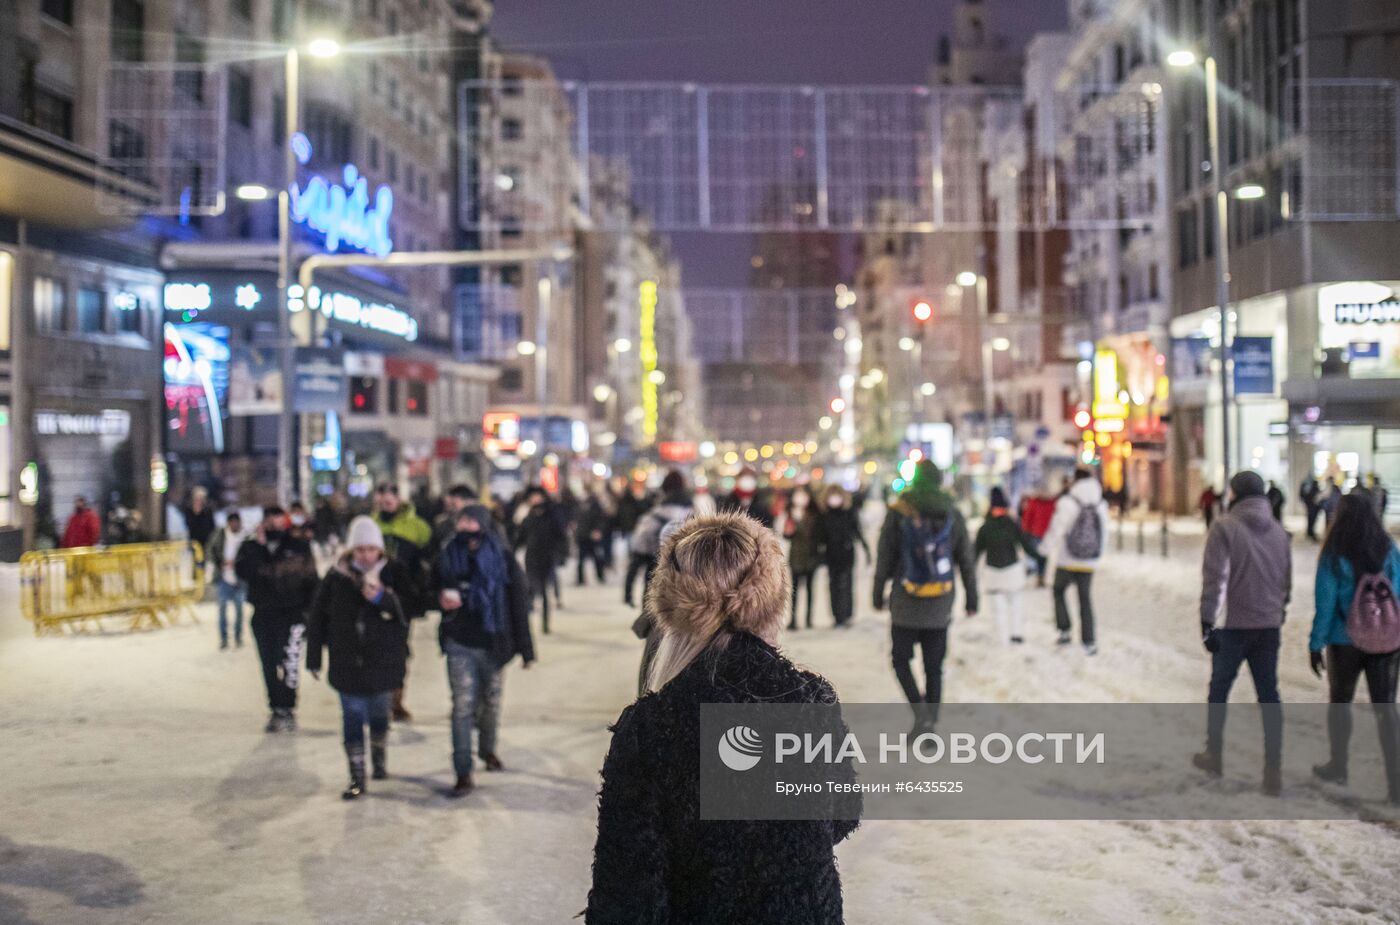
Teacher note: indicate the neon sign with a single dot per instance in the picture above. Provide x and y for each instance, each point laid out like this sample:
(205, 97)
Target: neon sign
(348, 309)
(187, 297)
(647, 295)
(343, 212)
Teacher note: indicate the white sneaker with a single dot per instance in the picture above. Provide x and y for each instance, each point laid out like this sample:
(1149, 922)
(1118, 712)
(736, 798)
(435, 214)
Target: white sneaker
(1091, 649)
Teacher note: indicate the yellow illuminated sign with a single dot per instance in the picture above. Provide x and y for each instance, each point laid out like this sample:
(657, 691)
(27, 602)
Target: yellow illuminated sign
(1106, 403)
(647, 296)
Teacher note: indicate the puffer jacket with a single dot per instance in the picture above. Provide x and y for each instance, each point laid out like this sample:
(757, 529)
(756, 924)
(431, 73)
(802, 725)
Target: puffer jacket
(656, 862)
(368, 640)
(1084, 493)
(1248, 566)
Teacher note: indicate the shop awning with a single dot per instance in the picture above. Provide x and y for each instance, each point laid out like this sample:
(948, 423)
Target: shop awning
(47, 181)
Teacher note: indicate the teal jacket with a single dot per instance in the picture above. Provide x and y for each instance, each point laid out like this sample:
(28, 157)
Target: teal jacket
(1335, 587)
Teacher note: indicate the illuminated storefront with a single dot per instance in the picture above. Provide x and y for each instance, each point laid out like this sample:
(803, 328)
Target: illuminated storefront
(1127, 419)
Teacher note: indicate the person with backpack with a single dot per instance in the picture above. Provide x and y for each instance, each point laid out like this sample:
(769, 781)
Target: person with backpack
(923, 544)
(485, 598)
(1075, 542)
(672, 509)
(357, 615)
(1001, 540)
(1247, 567)
(1357, 625)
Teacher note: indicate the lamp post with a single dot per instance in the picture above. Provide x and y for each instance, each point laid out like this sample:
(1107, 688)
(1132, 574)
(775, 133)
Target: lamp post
(978, 283)
(1184, 58)
(286, 450)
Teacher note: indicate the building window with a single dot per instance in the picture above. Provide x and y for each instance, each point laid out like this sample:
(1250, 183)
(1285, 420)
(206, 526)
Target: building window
(417, 398)
(512, 379)
(393, 94)
(127, 148)
(393, 22)
(53, 113)
(1154, 286)
(92, 311)
(279, 119)
(373, 153)
(391, 404)
(512, 130)
(128, 30)
(49, 304)
(130, 311)
(512, 86)
(240, 96)
(242, 8)
(374, 78)
(190, 50)
(511, 275)
(364, 395)
(58, 10)
(393, 167)
(510, 226)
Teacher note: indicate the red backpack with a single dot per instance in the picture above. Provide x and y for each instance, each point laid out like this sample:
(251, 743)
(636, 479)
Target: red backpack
(1373, 622)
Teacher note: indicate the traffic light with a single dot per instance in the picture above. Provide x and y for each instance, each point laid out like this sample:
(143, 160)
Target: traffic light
(922, 310)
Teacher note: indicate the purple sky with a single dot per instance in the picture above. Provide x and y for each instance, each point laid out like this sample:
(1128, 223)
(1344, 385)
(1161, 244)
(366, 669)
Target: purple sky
(747, 41)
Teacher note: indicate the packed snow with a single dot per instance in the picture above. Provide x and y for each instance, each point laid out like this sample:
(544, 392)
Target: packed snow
(138, 786)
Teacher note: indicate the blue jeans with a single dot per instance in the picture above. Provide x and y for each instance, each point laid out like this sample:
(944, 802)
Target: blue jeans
(235, 594)
(1258, 648)
(476, 701)
(357, 710)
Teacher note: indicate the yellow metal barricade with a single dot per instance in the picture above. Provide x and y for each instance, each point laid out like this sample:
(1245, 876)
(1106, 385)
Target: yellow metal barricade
(149, 585)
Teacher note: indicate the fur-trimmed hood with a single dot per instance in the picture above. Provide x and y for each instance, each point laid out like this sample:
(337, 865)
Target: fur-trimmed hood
(721, 572)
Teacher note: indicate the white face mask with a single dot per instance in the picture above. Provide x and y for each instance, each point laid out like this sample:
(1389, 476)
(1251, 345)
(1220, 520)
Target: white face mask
(835, 501)
(747, 483)
(799, 501)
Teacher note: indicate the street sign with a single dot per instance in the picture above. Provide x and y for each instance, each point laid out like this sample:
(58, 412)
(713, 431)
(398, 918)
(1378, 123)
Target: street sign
(320, 383)
(1254, 365)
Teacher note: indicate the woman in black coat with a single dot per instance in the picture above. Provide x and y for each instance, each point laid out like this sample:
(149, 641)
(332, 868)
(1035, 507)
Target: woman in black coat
(719, 592)
(839, 530)
(358, 615)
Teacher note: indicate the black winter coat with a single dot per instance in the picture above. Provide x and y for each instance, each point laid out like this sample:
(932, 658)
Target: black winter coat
(368, 641)
(839, 531)
(544, 535)
(281, 581)
(467, 628)
(656, 862)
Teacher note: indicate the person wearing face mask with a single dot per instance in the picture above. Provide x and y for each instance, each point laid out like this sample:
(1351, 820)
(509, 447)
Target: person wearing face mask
(281, 577)
(839, 528)
(357, 615)
(485, 603)
(748, 499)
(804, 548)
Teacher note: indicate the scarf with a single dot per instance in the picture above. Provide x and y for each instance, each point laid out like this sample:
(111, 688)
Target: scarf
(485, 573)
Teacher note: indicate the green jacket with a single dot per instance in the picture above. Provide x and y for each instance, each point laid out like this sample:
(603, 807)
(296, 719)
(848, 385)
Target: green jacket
(408, 541)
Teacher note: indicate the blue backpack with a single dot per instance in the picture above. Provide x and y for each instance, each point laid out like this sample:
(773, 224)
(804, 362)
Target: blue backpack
(927, 556)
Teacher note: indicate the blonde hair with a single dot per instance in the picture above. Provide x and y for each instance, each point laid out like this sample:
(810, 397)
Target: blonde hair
(716, 576)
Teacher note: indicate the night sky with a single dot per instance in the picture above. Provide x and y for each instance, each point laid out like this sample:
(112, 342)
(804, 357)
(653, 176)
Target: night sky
(747, 41)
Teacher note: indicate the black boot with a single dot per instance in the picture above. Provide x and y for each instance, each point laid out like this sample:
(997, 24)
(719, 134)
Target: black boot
(492, 762)
(1208, 761)
(462, 787)
(1332, 772)
(356, 756)
(377, 756)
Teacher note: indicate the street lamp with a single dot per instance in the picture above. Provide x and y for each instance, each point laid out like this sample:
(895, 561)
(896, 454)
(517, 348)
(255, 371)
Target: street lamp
(1249, 191)
(252, 192)
(286, 451)
(1184, 58)
(526, 348)
(967, 279)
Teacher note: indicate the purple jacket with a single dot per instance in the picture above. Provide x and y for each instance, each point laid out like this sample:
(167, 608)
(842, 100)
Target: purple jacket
(1249, 567)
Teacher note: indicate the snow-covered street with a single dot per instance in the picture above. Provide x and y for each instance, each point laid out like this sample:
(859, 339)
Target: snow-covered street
(137, 786)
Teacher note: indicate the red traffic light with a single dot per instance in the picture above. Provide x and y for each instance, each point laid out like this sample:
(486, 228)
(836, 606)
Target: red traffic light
(923, 310)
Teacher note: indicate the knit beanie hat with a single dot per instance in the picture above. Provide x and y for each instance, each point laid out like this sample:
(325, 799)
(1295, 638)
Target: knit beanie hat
(364, 532)
(999, 497)
(1246, 484)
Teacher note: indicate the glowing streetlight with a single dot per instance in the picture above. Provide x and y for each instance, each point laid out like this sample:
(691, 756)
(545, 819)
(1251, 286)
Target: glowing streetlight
(927, 389)
(252, 192)
(906, 344)
(622, 345)
(1249, 191)
(967, 279)
(1182, 57)
(526, 348)
(323, 48)
(1001, 343)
